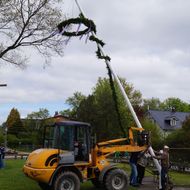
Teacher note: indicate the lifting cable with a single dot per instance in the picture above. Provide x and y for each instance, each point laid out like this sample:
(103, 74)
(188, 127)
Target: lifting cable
(89, 30)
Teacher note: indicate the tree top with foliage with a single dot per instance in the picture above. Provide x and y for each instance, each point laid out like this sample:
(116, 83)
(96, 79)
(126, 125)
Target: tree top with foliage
(168, 104)
(14, 123)
(43, 113)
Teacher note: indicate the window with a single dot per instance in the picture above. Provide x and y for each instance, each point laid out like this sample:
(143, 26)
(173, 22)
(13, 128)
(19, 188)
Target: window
(173, 122)
(59, 137)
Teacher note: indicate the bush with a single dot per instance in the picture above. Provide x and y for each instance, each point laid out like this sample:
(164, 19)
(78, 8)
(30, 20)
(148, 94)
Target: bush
(13, 141)
(155, 133)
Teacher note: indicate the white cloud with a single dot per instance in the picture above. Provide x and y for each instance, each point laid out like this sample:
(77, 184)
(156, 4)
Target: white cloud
(148, 41)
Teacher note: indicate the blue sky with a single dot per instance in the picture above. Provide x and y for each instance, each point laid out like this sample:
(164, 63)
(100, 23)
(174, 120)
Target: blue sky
(148, 41)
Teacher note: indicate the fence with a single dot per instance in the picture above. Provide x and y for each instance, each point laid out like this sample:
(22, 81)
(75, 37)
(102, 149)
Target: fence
(180, 159)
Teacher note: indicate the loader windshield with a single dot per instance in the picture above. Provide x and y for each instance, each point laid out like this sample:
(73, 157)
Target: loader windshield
(59, 136)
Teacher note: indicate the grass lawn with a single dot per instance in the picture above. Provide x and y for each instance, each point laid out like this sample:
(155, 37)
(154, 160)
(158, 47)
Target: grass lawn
(180, 179)
(12, 178)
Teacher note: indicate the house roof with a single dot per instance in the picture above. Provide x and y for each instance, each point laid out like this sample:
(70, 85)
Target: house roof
(160, 117)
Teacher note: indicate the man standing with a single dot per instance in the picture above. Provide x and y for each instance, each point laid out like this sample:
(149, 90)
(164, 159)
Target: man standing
(141, 165)
(164, 157)
(133, 163)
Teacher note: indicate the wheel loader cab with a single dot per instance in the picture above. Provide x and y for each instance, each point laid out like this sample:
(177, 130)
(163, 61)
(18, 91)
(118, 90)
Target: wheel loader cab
(71, 138)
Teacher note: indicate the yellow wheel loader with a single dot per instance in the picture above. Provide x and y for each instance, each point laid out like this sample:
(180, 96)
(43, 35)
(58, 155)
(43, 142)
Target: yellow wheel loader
(70, 157)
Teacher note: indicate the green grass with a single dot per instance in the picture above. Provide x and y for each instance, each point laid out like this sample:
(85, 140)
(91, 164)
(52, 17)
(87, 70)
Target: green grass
(12, 177)
(180, 179)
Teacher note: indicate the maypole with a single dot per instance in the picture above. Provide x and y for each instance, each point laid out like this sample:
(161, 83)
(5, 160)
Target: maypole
(128, 103)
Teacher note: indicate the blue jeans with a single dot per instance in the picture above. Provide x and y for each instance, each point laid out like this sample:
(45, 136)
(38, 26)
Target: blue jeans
(134, 173)
(164, 173)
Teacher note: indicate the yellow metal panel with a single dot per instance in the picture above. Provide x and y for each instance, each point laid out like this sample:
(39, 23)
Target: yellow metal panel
(42, 175)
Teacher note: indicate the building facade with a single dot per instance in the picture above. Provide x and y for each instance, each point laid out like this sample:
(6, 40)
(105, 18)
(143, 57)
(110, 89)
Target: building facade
(167, 121)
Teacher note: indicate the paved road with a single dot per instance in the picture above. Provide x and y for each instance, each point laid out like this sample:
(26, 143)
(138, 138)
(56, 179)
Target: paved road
(149, 184)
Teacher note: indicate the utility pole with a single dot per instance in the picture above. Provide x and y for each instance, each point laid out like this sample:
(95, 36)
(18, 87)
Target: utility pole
(5, 127)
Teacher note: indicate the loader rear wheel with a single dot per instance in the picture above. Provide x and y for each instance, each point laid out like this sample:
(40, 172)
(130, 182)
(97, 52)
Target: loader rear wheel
(67, 181)
(116, 179)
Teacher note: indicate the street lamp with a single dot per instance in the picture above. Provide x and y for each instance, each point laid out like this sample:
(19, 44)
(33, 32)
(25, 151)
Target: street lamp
(3, 85)
(5, 129)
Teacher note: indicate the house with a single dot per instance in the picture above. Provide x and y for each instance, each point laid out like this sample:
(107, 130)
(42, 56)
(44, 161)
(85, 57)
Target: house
(168, 121)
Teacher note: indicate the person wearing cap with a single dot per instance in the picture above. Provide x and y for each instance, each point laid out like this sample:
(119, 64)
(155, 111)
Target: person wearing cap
(164, 157)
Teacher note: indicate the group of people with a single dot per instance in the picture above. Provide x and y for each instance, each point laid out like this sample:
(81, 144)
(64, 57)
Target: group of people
(139, 160)
(2, 156)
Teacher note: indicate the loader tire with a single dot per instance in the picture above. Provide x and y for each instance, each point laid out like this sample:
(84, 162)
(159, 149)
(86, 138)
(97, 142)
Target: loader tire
(67, 181)
(116, 179)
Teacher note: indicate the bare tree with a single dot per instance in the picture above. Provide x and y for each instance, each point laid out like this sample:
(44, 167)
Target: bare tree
(29, 23)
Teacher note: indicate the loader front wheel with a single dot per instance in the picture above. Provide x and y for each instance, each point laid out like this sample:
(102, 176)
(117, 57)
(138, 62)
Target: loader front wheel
(67, 181)
(116, 179)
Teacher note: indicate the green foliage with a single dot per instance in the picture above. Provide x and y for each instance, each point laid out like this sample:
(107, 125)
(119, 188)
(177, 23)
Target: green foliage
(29, 131)
(34, 123)
(89, 27)
(74, 102)
(13, 141)
(1, 135)
(152, 104)
(186, 126)
(43, 113)
(89, 24)
(168, 104)
(99, 109)
(180, 139)
(175, 103)
(14, 123)
(155, 133)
